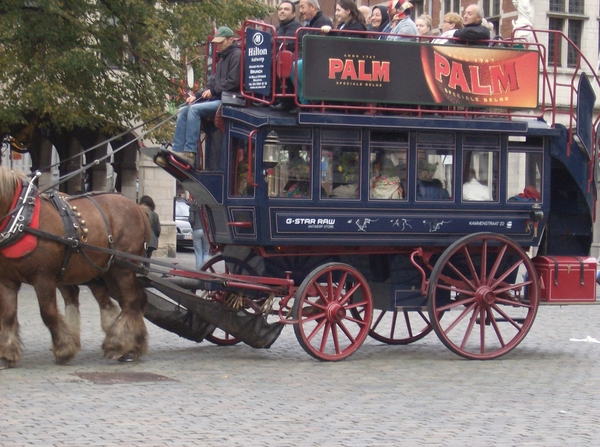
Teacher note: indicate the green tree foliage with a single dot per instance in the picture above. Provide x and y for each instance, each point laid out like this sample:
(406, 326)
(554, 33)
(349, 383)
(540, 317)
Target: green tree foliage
(100, 63)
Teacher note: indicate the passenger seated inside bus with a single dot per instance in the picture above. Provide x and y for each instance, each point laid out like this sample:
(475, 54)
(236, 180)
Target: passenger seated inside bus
(529, 194)
(298, 184)
(429, 187)
(345, 173)
(386, 175)
(473, 190)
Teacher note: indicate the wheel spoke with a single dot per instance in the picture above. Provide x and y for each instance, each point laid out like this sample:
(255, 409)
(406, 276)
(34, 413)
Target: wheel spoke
(349, 294)
(336, 341)
(471, 267)
(460, 318)
(325, 336)
(340, 287)
(508, 272)
(317, 328)
(463, 278)
(346, 331)
(482, 316)
(456, 304)
(483, 269)
(374, 326)
(470, 327)
(494, 324)
(507, 318)
(499, 258)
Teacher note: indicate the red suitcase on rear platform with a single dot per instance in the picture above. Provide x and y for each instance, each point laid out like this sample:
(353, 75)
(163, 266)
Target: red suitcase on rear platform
(566, 278)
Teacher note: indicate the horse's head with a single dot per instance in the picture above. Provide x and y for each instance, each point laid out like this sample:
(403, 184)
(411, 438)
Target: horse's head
(9, 182)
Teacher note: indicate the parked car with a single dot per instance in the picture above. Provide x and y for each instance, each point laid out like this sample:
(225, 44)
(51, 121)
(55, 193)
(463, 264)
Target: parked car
(181, 211)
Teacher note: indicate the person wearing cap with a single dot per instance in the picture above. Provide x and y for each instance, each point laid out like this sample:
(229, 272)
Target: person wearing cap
(405, 27)
(474, 31)
(225, 78)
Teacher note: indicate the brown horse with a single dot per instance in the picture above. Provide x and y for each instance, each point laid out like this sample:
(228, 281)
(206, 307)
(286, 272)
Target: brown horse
(109, 221)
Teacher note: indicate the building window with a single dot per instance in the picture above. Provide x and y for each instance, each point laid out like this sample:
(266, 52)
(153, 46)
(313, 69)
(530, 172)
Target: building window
(567, 18)
(452, 6)
(554, 43)
(576, 6)
(575, 31)
(557, 5)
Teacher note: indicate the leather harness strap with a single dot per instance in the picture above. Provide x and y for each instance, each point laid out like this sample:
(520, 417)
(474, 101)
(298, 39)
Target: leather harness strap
(21, 215)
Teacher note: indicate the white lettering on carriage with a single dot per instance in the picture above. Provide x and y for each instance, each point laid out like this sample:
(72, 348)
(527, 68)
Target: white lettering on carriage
(313, 223)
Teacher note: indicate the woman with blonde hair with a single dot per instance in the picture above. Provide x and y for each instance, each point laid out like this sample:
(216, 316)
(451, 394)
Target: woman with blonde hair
(452, 22)
(423, 23)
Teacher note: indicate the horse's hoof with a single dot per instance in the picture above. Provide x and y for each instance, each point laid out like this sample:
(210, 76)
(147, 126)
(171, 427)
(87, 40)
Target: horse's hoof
(126, 358)
(64, 361)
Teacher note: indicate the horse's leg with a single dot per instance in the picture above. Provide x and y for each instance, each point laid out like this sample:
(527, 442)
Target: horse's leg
(65, 343)
(11, 345)
(70, 296)
(127, 338)
(109, 311)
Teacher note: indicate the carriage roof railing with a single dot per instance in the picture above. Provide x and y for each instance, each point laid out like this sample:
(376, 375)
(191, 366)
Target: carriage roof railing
(551, 86)
(551, 76)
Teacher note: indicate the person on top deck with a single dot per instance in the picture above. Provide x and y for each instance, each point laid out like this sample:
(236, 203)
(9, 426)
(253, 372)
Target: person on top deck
(349, 18)
(474, 31)
(225, 78)
(452, 22)
(423, 24)
(405, 24)
(311, 14)
(379, 20)
(288, 25)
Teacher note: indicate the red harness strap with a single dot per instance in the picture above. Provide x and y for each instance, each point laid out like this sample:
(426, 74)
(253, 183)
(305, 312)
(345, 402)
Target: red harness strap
(28, 242)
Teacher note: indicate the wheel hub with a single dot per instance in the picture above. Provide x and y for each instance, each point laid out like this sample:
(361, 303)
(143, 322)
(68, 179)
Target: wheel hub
(485, 295)
(335, 312)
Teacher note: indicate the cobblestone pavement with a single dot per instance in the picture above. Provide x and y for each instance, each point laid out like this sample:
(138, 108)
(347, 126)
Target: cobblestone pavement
(544, 393)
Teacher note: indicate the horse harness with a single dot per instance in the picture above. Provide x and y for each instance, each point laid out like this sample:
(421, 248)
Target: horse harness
(75, 229)
(74, 226)
(20, 217)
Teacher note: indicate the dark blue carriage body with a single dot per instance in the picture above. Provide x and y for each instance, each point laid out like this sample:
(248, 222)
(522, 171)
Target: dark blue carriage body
(330, 197)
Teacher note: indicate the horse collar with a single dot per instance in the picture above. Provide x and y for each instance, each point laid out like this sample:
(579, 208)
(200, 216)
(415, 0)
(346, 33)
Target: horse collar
(21, 214)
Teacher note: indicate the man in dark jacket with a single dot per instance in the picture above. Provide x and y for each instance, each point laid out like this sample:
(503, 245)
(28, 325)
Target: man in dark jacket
(225, 78)
(310, 12)
(474, 31)
(286, 13)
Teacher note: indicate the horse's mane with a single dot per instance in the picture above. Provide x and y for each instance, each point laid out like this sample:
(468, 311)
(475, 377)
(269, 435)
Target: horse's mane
(8, 185)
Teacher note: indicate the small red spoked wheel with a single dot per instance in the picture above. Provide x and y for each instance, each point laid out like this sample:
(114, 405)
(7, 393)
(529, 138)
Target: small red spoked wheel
(334, 308)
(400, 327)
(219, 264)
(488, 289)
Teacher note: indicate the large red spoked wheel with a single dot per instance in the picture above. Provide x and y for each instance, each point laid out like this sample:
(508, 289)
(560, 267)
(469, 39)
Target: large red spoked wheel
(400, 327)
(488, 289)
(218, 264)
(333, 306)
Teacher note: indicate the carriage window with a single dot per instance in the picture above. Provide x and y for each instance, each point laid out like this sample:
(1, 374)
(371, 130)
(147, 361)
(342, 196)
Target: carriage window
(291, 177)
(435, 166)
(340, 171)
(388, 173)
(480, 176)
(525, 179)
(238, 179)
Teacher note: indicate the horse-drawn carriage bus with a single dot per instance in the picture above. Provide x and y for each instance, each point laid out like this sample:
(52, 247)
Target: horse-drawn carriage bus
(414, 187)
